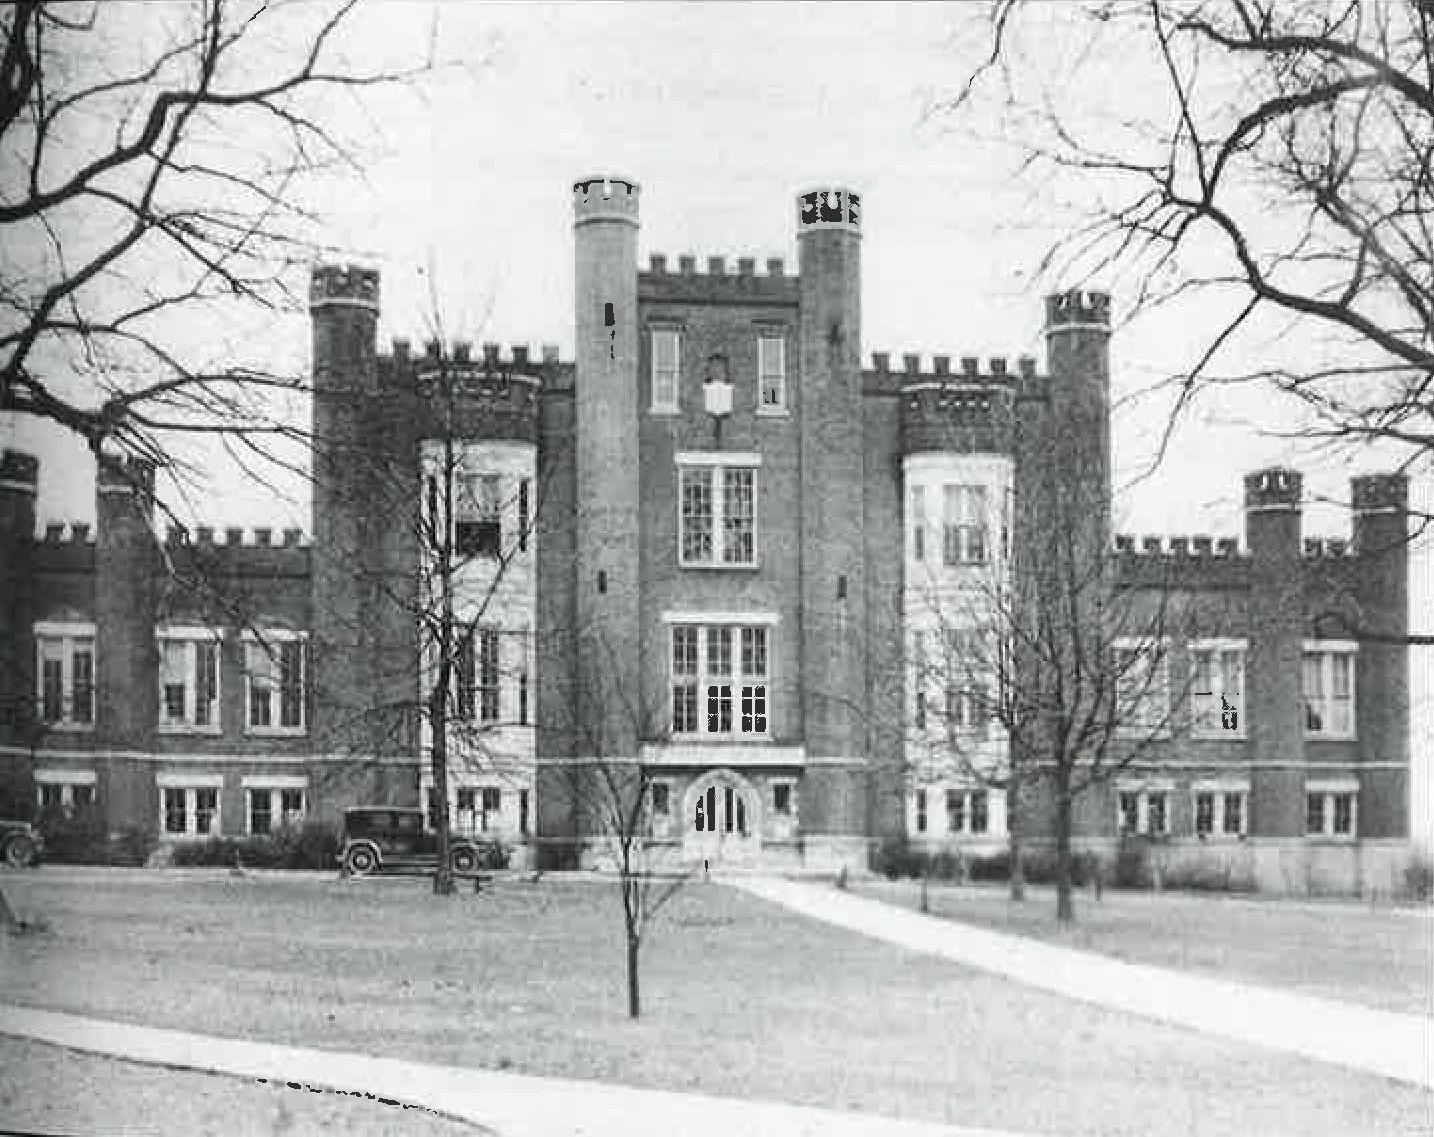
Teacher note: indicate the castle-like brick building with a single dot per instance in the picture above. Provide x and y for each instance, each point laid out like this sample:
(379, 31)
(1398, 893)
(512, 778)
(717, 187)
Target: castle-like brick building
(712, 545)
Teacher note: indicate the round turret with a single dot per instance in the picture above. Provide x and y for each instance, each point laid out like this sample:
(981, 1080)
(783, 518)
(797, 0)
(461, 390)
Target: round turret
(605, 198)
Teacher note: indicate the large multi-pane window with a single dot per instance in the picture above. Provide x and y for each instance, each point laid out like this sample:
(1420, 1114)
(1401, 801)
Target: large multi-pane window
(964, 534)
(189, 810)
(718, 519)
(1329, 691)
(1217, 688)
(1331, 809)
(967, 811)
(1221, 811)
(772, 372)
(666, 369)
(478, 527)
(65, 793)
(719, 679)
(189, 680)
(1141, 687)
(274, 674)
(65, 673)
(477, 676)
(275, 806)
(1145, 811)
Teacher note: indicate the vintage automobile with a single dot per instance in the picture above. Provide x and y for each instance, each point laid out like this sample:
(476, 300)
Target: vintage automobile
(20, 844)
(378, 838)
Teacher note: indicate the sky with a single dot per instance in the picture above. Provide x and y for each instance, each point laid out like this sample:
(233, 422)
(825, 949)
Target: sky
(724, 113)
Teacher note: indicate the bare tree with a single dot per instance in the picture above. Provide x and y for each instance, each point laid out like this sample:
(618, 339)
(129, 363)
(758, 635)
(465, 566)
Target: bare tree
(155, 163)
(1285, 172)
(612, 799)
(1054, 676)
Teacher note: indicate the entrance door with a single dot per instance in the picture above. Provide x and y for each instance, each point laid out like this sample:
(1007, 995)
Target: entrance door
(722, 823)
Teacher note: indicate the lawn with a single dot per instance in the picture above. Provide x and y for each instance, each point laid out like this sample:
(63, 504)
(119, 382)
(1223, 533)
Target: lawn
(1378, 957)
(46, 1089)
(742, 999)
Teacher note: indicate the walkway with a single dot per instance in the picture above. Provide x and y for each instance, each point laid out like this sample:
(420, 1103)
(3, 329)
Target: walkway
(1399, 1046)
(510, 1105)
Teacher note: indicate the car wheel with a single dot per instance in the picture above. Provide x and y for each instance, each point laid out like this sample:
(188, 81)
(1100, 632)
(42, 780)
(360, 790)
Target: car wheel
(19, 852)
(360, 860)
(464, 858)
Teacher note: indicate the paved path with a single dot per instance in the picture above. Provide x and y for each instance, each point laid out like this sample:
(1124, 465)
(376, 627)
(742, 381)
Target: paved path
(1399, 1046)
(510, 1105)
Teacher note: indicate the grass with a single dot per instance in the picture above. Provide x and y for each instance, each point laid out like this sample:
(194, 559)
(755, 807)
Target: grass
(1376, 957)
(47, 1089)
(742, 999)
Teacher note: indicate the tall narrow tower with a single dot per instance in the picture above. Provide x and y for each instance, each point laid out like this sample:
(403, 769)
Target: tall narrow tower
(833, 550)
(605, 293)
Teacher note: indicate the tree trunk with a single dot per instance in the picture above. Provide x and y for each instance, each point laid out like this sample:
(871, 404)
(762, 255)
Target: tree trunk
(9, 922)
(443, 873)
(1065, 894)
(1015, 844)
(634, 1003)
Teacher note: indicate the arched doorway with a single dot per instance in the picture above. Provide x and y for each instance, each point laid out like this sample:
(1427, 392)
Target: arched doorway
(722, 821)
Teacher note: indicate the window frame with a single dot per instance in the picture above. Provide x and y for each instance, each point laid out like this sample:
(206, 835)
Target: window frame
(1220, 793)
(73, 638)
(1156, 687)
(1326, 652)
(1330, 792)
(776, 336)
(1144, 794)
(960, 546)
(282, 639)
(274, 787)
(64, 783)
(962, 804)
(672, 405)
(1206, 708)
(720, 654)
(190, 637)
(714, 469)
(190, 787)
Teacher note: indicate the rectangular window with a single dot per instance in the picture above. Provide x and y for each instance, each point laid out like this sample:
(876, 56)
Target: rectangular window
(464, 676)
(1143, 811)
(1217, 690)
(1204, 814)
(980, 811)
(918, 523)
(718, 519)
(661, 799)
(921, 811)
(1329, 692)
(1331, 811)
(524, 511)
(190, 811)
(274, 671)
(1142, 699)
(955, 811)
(478, 527)
(490, 812)
(66, 677)
(666, 369)
(964, 532)
(51, 798)
(967, 811)
(782, 799)
(772, 370)
(487, 674)
(189, 681)
(705, 660)
(523, 812)
(82, 797)
(1233, 819)
(261, 814)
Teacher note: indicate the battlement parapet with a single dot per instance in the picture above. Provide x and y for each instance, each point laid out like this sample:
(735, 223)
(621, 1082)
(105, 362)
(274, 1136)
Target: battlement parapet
(831, 207)
(349, 284)
(605, 197)
(716, 266)
(1077, 308)
(19, 471)
(1380, 493)
(957, 417)
(1328, 548)
(1273, 489)
(998, 369)
(1199, 546)
(717, 285)
(259, 537)
(124, 473)
(58, 533)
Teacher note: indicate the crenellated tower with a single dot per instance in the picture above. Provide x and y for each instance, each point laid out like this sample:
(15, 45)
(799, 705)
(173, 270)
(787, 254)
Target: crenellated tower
(832, 531)
(605, 222)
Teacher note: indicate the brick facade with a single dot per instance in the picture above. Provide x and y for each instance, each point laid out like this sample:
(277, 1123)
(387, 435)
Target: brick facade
(720, 509)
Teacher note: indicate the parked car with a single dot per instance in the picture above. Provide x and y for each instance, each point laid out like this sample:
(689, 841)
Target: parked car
(377, 838)
(20, 844)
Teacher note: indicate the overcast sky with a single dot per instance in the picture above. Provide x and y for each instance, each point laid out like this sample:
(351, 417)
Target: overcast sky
(723, 113)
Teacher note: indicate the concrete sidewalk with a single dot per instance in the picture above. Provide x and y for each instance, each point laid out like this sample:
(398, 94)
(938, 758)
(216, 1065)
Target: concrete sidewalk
(511, 1105)
(1398, 1046)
